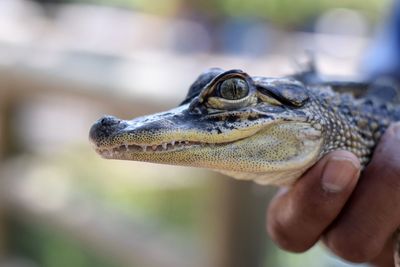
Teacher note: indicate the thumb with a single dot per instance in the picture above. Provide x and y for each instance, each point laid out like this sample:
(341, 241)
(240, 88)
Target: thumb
(297, 218)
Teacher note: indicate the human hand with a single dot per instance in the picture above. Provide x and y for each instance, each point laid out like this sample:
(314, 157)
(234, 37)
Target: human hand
(354, 217)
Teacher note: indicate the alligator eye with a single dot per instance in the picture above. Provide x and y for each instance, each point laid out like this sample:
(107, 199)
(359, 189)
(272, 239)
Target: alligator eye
(234, 89)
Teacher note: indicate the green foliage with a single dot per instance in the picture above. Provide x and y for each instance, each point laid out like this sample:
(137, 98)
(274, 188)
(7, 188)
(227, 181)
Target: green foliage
(177, 208)
(50, 248)
(281, 12)
(287, 12)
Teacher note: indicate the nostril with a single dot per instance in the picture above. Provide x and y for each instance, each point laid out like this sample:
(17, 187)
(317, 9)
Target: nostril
(109, 121)
(105, 127)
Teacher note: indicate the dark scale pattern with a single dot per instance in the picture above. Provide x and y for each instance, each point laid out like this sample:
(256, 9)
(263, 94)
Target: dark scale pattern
(265, 129)
(350, 123)
(272, 133)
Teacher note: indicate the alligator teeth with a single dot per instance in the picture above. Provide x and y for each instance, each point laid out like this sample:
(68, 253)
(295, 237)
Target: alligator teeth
(170, 146)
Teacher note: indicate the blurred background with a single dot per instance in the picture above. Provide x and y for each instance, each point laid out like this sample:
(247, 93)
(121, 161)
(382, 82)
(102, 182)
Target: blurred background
(63, 64)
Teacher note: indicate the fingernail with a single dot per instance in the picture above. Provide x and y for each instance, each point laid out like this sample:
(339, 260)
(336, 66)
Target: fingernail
(338, 173)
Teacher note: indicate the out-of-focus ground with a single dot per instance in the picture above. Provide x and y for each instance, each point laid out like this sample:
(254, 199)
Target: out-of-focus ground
(63, 64)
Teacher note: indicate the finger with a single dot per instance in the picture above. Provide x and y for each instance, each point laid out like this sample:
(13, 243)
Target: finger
(297, 218)
(385, 257)
(373, 212)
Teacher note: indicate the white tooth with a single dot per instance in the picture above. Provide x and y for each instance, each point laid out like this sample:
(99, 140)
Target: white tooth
(127, 147)
(154, 147)
(173, 143)
(164, 145)
(144, 147)
(186, 142)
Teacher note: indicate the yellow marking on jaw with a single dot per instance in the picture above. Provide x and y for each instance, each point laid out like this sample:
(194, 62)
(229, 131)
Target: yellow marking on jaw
(169, 135)
(279, 148)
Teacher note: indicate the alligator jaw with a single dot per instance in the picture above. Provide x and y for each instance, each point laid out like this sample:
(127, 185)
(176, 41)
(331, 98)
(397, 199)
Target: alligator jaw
(173, 146)
(236, 159)
(251, 150)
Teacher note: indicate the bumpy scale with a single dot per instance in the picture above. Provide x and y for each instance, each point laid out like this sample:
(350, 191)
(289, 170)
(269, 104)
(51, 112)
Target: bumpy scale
(270, 130)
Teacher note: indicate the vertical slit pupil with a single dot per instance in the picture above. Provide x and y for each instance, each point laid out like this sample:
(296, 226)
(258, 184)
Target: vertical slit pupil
(234, 89)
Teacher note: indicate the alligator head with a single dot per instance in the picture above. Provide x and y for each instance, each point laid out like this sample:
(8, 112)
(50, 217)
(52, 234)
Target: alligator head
(262, 129)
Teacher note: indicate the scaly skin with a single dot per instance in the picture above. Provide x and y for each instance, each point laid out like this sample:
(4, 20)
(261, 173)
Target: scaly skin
(262, 129)
(270, 130)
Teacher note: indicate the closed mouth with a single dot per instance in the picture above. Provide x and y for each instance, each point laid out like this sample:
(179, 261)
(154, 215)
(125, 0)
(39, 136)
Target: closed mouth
(155, 148)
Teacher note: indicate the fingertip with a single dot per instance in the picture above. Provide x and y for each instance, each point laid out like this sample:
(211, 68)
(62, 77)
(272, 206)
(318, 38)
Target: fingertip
(340, 172)
(343, 155)
(338, 157)
(279, 221)
(336, 172)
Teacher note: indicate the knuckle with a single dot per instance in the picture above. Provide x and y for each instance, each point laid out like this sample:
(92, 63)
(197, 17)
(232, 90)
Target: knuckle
(284, 238)
(352, 248)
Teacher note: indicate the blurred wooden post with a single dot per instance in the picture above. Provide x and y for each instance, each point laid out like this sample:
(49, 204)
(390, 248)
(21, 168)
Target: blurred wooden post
(240, 219)
(5, 151)
(3, 127)
(8, 106)
(3, 119)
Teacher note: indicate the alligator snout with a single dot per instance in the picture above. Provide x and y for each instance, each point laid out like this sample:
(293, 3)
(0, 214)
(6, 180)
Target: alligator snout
(105, 127)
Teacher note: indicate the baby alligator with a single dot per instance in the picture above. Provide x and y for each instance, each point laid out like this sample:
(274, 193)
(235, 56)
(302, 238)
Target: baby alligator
(270, 130)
